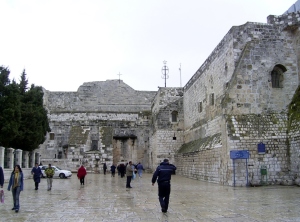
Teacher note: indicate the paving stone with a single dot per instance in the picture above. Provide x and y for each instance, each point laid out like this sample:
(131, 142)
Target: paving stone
(106, 199)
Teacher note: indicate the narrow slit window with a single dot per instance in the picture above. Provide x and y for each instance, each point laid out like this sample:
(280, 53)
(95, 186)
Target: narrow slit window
(174, 116)
(212, 99)
(200, 107)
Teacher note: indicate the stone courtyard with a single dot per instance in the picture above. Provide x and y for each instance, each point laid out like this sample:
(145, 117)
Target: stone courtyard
(105, 198)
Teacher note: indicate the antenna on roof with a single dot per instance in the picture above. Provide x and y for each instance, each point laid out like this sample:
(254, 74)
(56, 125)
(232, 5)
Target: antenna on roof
(180, 73)
(165, 71)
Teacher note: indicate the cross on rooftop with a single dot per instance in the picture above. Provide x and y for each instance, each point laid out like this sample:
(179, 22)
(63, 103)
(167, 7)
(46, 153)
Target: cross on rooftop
(119, 76)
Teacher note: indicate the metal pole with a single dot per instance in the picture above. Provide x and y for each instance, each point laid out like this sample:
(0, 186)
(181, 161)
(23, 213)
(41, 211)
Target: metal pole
(165, 71)
(247, 172)
(233, 173)
(165, 76)
(180, 73)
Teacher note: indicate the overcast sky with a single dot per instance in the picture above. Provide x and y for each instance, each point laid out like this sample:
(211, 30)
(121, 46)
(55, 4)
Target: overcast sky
(64, 43)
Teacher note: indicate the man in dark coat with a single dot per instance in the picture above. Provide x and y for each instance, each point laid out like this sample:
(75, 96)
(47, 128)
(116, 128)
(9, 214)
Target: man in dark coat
(1, 177)
(163, 175)
(104, 168)
(37, 174)
(113, 170)
(129, 174)
(122, 169)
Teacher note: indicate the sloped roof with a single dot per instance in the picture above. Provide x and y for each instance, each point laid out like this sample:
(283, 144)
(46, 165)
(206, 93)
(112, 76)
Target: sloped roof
(294, 8)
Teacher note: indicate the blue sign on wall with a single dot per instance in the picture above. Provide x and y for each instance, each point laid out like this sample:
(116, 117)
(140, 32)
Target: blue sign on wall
(261, 148)
(239, 154)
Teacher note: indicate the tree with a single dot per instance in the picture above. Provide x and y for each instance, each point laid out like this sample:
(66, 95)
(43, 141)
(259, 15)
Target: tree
(23, 83)
(34, 122)
(23, 119)
(10, 112)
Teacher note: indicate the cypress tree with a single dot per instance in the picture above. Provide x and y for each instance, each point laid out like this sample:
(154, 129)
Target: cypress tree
(34, 120)
(10, 110)
(23, 118)
(23, 83)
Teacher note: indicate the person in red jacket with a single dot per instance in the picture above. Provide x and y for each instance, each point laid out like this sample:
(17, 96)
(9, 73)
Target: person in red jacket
(81, 174)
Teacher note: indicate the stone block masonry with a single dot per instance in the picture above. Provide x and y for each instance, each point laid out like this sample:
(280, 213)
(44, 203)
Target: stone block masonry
(233, 94)
(106, 96)
(242, 95)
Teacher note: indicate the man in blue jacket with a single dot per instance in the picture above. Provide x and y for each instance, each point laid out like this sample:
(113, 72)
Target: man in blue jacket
(37, 174)
(163, 175)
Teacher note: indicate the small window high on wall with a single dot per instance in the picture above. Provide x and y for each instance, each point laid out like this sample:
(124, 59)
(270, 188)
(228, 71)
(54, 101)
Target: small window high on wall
(277, 76)
(212, 99)
(51, 136)
(200, 107)
(174, 116)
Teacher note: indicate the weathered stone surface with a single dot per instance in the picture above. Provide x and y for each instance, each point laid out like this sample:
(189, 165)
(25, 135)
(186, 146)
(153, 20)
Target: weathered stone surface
(244, 94)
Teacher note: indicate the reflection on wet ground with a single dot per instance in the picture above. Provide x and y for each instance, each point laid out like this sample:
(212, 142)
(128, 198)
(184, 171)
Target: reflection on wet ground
(105, 198)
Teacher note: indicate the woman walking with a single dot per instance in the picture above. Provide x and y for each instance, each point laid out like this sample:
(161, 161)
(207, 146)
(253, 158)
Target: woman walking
(81, 174)
(16, 183)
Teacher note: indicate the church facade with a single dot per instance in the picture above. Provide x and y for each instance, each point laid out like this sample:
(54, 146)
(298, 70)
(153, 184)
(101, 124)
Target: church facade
(236, 121)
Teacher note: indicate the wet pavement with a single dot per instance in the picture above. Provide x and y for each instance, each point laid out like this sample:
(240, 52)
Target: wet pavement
(105, 198)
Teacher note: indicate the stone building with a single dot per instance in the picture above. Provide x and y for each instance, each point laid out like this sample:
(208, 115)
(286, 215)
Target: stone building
(239, 98)
(244, 97)
(102, 122)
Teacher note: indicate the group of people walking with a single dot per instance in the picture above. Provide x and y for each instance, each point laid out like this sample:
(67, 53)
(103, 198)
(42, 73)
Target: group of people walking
(162, 176)
(37, 174)
(16, 181)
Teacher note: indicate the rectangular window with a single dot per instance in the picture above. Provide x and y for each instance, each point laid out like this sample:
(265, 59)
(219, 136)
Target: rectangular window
(200, 107)
(174, 116)
(51, 136)
(212, 99)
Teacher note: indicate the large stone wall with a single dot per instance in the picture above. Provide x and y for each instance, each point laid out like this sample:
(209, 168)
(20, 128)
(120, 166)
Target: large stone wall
(251, 89)
(247, 131)
(201, 165)
(165, 145)
(234, 90)
(210, 80)
(294, 150)
(167, 132)
(294, 135)
(228, 104)
(109, 115)
(164, 97)
(102, 96)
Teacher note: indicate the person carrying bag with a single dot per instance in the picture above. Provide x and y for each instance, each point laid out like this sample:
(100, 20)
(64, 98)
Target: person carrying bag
(133, 175)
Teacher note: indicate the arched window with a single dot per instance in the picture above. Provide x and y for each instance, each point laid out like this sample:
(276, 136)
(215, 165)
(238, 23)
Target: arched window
(277, 76)
(174, 116)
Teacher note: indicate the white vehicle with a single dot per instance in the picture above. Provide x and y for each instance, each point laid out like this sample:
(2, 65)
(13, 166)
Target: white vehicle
(57, 172)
